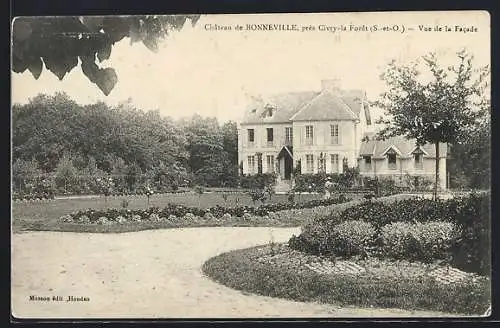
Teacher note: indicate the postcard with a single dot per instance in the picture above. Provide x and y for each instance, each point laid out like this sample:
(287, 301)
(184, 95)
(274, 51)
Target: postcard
(319, 165)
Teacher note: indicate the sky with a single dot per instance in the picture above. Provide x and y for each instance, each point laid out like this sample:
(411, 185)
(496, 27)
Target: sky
(213, 72)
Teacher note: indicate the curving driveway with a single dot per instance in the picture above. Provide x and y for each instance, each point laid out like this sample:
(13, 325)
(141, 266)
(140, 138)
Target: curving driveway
(148, 274)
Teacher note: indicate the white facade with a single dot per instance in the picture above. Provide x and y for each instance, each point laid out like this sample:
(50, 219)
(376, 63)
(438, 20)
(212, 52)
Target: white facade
(328, 124)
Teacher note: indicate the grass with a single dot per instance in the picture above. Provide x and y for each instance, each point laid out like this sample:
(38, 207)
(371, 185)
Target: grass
(288, 279)
(44, 215)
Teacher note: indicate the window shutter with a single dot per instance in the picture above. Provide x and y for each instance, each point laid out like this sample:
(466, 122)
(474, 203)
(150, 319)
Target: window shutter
(340, 133)
(327, 135)
(302, 133)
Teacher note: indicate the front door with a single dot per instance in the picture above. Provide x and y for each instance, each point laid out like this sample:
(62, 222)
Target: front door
(288, 167)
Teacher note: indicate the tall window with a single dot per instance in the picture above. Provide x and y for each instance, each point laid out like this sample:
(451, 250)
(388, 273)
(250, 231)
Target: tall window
(251, 136)
(270, 163)
(310, 163)
(334, 134)
(270, 136)
(309, 135)
(251, 164)
(288, 135)
(334, 163)
(368, 162)
(391, 160)
(419, 163)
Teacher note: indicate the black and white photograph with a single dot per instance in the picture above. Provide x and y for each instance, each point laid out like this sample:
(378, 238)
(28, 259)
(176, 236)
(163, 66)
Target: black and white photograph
(299, 165)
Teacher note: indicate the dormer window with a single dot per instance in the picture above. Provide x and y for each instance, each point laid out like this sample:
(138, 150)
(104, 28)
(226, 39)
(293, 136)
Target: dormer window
(418, 159)
(391, 159)
(268, 112)
(368, 162)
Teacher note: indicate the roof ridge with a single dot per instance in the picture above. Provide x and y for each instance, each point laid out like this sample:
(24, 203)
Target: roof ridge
(349, 107)
(303, 106)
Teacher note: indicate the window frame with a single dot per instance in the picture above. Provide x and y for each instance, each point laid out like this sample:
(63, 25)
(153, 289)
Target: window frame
(251, 167)
(309, 137)
(418, 164)
(270, 168)
(367, 161)
(310, 163)
(289, 135)
(252, 134)
(392, 166)
(334, 134)
(334, 163)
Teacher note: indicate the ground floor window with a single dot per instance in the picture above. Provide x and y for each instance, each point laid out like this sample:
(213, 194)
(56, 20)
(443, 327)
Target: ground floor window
(310, 163)
(251, 164)
(270, 164)
(334, 163)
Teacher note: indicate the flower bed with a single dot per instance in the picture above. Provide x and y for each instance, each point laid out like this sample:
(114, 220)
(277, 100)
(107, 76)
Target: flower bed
(290, 213)
(280, 272)
(32, 196)
(454, 230)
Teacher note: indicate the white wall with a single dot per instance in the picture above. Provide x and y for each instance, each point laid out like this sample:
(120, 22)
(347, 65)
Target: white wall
(346, 148)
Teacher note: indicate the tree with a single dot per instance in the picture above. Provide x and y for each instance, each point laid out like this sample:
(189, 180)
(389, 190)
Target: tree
(440, 111)
(470, 164)
(60, 42)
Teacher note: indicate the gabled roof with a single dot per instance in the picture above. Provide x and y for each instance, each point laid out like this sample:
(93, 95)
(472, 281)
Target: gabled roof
(284, 106)
(305, 106)
(325, 106)
(378, 148)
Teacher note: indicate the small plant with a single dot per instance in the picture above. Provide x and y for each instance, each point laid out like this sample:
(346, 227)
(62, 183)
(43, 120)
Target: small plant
(225, 196)
(199, 190)
(269, 190)
(149, 192)
(257, 195)
(291, 196)
(272, 243)
(105, 187)
(124, 203)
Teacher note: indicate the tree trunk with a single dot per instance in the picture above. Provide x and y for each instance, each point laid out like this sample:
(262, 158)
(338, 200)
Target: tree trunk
(437, 171)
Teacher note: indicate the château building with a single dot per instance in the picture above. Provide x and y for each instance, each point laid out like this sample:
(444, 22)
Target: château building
(324, 130)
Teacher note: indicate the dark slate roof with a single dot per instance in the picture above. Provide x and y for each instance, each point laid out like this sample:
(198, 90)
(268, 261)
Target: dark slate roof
(377, 148)
(305, 106)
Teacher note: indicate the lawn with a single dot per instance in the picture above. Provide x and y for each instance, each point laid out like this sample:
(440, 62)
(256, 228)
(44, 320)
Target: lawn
(278, 271)
(44, 215)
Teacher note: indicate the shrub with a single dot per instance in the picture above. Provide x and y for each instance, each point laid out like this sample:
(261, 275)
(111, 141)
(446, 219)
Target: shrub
(258, 181)
(424, 242)
(257, 195)
(351, 237)
(468, 248)
(240, 270)
(472, 250)
(316, 182)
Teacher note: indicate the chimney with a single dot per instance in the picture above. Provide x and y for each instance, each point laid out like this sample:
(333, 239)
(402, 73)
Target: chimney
(332, 85)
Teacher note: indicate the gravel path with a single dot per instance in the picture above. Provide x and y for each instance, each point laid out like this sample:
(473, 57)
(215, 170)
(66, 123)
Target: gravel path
(147, 274)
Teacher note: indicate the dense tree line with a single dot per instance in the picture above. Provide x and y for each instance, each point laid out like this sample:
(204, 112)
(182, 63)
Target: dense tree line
(55, 135)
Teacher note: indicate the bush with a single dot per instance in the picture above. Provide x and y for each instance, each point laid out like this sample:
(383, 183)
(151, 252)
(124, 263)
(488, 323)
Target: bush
(258, 181)
(289, 214)
(316, 182)
(424, 242)
(240, 270)
(472, 250)
(469, 250)
(351, 238)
